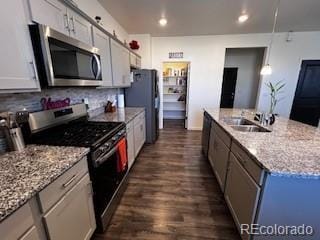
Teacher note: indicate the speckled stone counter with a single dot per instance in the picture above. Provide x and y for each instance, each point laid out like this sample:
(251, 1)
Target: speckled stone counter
(121, 115)
(291, 149)
(24, 174)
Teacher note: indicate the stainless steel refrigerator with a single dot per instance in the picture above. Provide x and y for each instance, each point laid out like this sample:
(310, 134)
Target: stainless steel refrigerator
(144, 92)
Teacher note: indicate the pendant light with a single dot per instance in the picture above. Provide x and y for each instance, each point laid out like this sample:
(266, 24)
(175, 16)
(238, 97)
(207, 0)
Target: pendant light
(267, 69)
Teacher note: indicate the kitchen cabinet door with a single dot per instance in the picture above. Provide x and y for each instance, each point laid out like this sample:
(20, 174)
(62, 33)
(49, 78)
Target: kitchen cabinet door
(72, 218)
(139, 132)
(130, 144)
(133, 60)
(241, 194)
(138, 62)
(80, 28)
(52, 13)
(220, 160)
(17, 64)
(102, 41)
(211, 146)
(120, 59)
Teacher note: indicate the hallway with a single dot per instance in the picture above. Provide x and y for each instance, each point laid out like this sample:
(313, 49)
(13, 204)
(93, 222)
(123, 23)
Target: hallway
(172, 195)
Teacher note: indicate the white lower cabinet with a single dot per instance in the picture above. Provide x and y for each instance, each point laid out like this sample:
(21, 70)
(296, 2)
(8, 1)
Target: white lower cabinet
(20, 225)
(72, 218)
(136, 137)
(62, 211)
(130, 144)
(139, 132)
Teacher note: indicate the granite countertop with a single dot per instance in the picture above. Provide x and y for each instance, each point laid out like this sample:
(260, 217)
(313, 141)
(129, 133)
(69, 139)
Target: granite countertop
(121, 115)
(24, 174)
(291, 149)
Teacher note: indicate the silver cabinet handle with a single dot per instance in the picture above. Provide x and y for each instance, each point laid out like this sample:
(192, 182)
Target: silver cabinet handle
(66, 22)
(73, 28)
(34, 69)
(66, 184)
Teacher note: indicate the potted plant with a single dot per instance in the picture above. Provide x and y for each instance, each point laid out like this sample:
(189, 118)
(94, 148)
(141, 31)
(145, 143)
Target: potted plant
(275, 91)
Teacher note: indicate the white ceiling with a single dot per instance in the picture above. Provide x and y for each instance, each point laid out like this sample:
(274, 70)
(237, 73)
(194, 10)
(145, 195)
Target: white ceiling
(206, 17)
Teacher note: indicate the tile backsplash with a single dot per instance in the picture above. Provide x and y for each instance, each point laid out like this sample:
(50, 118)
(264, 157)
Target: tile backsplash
(31, 101)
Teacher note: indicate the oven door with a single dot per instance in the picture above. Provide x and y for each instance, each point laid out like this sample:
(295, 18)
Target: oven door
(69, 62)
(108, 186)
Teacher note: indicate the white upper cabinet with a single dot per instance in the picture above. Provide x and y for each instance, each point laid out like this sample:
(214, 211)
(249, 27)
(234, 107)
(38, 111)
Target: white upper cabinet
(80, 28)
(102, 41)
(56, 15)
(135, 61)
(120, 65)
(17, 65)
(52, 13)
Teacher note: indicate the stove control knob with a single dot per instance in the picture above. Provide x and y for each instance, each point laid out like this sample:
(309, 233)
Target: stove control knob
(114, 138)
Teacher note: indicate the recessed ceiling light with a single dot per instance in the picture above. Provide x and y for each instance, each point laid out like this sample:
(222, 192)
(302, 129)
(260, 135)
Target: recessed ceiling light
(163, 22)
(243, 18)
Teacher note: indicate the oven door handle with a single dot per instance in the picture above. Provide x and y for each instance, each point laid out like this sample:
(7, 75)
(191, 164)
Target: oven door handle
(104, 158)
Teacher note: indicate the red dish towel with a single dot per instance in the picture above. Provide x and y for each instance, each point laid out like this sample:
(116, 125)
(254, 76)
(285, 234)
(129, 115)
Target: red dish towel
(122, 155)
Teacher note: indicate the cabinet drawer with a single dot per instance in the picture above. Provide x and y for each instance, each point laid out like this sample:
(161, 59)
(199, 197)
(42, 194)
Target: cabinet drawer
(51, 194)
(17, 224)
(222, 134)
(253, 169)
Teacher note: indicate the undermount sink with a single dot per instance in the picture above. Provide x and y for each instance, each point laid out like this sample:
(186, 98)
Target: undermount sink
(237, 121)
(249, 128)
(244, 125)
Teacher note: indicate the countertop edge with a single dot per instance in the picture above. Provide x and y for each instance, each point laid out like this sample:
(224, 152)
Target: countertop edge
(301, 175)
(36, 191)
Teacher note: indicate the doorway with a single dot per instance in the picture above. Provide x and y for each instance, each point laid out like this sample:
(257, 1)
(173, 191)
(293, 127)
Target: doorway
(241, 77)
(175, 94)
(228, 87)
(306, 103)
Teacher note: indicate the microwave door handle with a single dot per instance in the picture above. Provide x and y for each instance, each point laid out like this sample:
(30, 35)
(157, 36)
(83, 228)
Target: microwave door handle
(92, 67)
(95, 57)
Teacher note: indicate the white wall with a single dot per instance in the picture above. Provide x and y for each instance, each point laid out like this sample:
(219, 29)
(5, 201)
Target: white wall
(93, 8)
(144, 51)
(249, 62)
(207, 57)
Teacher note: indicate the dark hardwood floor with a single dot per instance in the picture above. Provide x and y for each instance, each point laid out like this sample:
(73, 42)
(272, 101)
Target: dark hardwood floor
(172, 195)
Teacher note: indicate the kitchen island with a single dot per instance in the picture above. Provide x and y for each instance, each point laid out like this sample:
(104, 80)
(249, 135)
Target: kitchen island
(268, 177)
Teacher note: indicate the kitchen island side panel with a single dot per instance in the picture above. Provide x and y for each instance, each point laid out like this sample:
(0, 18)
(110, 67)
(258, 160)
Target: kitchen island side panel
(290, 201)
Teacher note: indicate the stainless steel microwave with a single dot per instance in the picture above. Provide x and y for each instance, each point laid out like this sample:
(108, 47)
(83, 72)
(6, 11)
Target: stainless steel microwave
(64, 61)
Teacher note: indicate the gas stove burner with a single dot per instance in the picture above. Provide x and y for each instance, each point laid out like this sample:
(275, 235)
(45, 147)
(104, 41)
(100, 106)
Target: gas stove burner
(82, 134)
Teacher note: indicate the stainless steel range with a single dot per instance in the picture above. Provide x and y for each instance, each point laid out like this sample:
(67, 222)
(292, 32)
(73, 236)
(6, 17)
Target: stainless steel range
(69, 127)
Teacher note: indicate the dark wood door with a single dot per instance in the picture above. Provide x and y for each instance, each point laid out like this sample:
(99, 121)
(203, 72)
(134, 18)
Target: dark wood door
(228, 87)
(306, 104)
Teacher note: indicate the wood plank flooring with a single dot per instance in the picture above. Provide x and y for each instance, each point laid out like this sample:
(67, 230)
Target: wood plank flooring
(172, 195)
